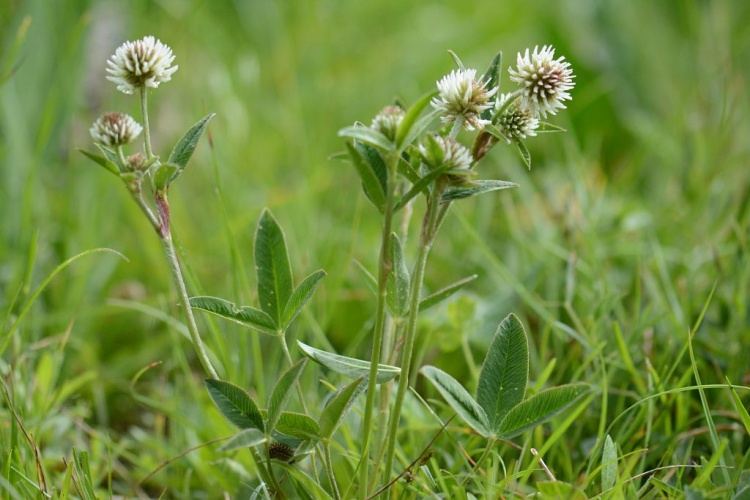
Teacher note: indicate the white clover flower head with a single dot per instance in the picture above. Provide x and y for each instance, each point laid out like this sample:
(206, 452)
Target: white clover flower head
(139, 64)
(387, 121)
(545, 81)
(439, 152)
(517, 122)
(115, 129)
(462, 95)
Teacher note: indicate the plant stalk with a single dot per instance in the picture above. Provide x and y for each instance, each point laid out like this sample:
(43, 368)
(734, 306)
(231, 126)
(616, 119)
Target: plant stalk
(146, 128)
(384, 271)
(174, 268)
(429, 228)
(329, 471)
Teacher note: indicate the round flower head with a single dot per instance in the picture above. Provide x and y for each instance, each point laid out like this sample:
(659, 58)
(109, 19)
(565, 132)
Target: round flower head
(438, 152)
(462, 95)
(139, 64)
(115, 129)
(387, 121)
(516, 122)
(545, 81)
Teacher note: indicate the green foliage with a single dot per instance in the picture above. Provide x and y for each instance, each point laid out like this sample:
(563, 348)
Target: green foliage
(272, 267)
(281, 394)
(235, 404)
(339, 406)
(348, 367)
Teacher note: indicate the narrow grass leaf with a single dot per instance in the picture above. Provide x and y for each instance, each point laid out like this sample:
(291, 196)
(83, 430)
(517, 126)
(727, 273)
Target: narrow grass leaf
(338, 408)
(458, 399)
(609, 464)
(308, 484)
(371, 184)
(108, 165)
(398, 283)
(25, 309)
(559, 489)
(411, 127)
(744, 415)
(282, 392)
(235, 404)
(540, 408)
(246, 315)
(300, 296)
(298, 426)
(475, 188)
(370, 280)
(272, 268)
(85, 483)
(185, 147)
(444, 293)
(348, 367)
(247, 438)
(505, 372)
(368, 136)
(524, 152)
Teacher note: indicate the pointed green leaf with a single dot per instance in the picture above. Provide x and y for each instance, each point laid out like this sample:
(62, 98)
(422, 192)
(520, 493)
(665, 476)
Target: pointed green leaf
(185, 147)
(418, 129)
(457, 60)
(282, 392)
(410, 128)
(502, 381)
(444, 293)
(272, 268)
(609, 464)
(375, 161)
(110, 154)
(398, 283)
(245, 316)
(524, 152)
(495, 132)
(235, 404)
(371, 183)
(492, 77)
(545, 127)
(539, 408)
(337, 409)
(475, 188)
(298, 426)
(741, 409)
(367, 135)
(348, 367)
(246, 438)
(458, 399)
(108, 165)
(301, 296)
(307, 484)
(407, 170)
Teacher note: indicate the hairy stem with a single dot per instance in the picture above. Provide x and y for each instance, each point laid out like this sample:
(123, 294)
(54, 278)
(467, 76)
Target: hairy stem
(174, 268)
(329, 471)
(384, 270)
(429, 228)
(146, 128)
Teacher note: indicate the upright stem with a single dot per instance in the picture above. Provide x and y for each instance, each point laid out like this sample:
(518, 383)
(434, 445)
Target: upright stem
(329, 471)
(174, 267)
(429, 227)
(146, 128)
(384, 270)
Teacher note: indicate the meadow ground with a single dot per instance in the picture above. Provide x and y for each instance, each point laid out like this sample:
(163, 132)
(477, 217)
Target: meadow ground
(629, 237)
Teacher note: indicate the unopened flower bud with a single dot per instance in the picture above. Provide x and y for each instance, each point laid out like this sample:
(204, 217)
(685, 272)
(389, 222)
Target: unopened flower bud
(115, 129)
(387, 121)
(440, 152)
(516, 122)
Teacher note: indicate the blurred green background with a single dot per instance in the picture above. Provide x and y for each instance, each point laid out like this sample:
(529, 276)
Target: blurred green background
(626, 221)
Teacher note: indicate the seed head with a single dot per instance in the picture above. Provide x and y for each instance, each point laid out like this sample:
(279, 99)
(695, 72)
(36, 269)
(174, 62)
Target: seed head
(387, 121)
(115, 129)
(545, 81)
(438, 152)
(139, 64)
(462, 95)
(516, 122)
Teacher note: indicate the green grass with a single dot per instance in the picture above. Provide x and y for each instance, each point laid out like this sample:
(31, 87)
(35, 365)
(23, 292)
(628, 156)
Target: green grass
(627, 228)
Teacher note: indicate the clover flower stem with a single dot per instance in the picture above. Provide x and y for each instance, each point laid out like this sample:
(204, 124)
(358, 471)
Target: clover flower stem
(384, 271)
(146, 127)
(174, 268)
(262, 470)
(430, 225)
(456, 127)
(137, 193)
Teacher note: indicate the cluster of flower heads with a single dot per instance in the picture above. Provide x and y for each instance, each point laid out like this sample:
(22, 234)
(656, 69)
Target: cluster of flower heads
(135, 66)
(544, 84)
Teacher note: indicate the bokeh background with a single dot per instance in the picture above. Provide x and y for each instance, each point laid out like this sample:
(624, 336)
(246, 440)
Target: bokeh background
(625, 223)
